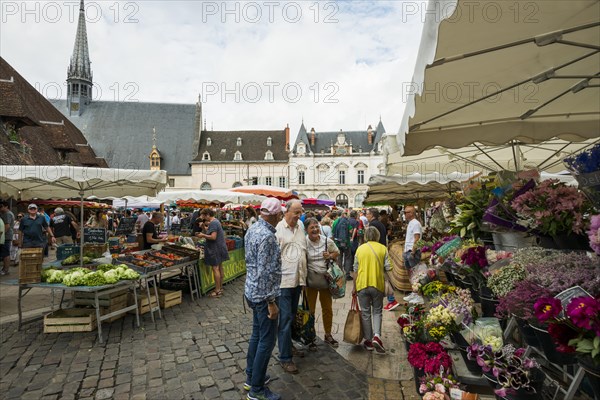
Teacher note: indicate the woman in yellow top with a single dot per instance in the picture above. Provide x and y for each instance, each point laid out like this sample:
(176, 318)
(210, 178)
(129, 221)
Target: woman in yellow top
(370, 262)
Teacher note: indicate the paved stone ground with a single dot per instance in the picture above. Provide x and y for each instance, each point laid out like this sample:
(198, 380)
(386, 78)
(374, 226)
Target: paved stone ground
(196, 351)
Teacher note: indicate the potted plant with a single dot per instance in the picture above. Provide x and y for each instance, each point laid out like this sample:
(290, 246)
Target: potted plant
(555, 210)
(575, 330)
(515, 376)
(594, 233)
(519, 303)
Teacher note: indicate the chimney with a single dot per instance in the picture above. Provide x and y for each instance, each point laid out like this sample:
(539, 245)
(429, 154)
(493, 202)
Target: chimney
(287, 137)
(370, 134)
(312, 136)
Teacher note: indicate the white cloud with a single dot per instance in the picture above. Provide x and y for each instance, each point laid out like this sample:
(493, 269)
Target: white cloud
(176, 48)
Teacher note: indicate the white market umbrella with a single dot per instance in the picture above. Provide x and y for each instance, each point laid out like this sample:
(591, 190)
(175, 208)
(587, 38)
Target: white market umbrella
(210, 197)
(414, 187)
(504, 81)
(61, 182)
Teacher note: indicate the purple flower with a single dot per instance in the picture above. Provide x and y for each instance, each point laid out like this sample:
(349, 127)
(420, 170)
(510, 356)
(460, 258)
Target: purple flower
(547, 308)
(584, 312)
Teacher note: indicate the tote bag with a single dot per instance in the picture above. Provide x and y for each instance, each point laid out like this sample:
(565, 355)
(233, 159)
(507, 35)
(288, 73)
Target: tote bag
(353, 332)
(303, 327)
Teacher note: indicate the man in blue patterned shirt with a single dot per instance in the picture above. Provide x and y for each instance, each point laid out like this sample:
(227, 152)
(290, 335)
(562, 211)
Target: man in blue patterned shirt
(263, 278)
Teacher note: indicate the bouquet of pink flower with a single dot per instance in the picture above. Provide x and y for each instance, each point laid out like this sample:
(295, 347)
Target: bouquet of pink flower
(552, 208)
(594, 233)
(577, 331)
(437, 387)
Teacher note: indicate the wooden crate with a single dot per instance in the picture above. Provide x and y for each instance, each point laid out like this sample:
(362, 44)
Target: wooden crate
(107, 300)
(95, 250)
(30, 265)
(122, 303)
(143, 305)
(70, 320)
(169, 298)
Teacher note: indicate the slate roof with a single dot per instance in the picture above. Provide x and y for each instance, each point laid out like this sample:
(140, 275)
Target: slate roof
(51, 139)
(253, 148)
(324, 140)
(121, 132)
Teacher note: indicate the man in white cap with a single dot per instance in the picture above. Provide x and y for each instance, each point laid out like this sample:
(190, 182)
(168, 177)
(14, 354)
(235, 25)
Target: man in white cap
(32, 229)
(60, 226)
(263, 279)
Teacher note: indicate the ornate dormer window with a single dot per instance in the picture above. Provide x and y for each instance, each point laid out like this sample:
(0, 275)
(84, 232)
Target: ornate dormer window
(341, 147)
(206, 156)
(237, 156)
(239, 142)
(269, 155)
(154, 153)
(301, 149)
(269, 142)
(208, 142)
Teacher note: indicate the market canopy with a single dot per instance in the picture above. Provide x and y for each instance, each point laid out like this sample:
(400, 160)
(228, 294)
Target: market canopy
(269, 191)
(415, 187)
(61, 181)
(69, 203)
(488, 88)
(209, 196)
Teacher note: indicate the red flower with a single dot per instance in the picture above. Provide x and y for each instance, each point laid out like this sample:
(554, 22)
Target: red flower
(547, 308)
(429, 357)
(561, 334)
(403, 322)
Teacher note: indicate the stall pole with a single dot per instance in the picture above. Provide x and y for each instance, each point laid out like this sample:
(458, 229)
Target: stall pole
(81, 193)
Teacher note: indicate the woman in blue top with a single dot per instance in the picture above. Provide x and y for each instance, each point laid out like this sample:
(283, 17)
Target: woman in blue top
(215, 250)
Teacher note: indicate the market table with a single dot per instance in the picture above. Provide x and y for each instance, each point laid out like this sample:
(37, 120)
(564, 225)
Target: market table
(96, 290)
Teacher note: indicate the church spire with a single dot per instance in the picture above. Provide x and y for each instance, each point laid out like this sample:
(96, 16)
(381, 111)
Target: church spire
(79, 73)
(80, 60)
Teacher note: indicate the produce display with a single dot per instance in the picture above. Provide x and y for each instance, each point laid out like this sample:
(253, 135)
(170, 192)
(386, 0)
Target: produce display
(74, 259)
(105, 274)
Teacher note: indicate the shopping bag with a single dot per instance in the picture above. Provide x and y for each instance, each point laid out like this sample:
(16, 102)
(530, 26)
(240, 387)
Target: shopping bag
(303, 327)
(353, 332)
(337, 281)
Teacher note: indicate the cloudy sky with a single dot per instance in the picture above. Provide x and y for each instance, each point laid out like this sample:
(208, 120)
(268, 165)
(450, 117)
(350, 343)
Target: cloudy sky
(256, 65)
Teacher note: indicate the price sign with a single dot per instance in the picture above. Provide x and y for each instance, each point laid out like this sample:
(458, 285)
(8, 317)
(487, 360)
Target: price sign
(94, 235)
(567, 295)
(126, 226)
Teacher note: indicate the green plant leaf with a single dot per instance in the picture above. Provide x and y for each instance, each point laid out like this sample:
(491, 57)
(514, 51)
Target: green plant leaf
(597, 342)
(463, 232)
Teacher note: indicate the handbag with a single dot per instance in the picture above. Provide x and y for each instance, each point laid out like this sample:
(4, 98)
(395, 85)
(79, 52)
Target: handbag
(337, 281)
(353, 332)
(303, 327)
(317, 280)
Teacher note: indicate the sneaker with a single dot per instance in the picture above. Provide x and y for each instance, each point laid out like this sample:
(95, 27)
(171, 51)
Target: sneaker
(390, 306)
(368, 345)
(248, 386)
(266, 394)
(417, 300)
(409, 297)
(378, 345)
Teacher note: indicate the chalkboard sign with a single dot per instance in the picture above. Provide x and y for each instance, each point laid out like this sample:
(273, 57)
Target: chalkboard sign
(94, 235)
(176, 229)
(126, 226)
(567, 295)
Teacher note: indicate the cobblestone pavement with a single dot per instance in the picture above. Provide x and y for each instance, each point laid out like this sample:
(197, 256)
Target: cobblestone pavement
(196, 351)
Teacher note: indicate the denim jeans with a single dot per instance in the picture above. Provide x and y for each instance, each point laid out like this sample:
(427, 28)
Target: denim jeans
(288, 305)
(410, 259)
(370, 301)
(262, 342)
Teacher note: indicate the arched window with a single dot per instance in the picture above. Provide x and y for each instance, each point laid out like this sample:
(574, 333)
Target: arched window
(206, 156)
(269, 142)
(269, 155)
(237, 156)
(237, 184)
(208, 141)
(206, 186)
(323, 196)
(341, 200)
(239, 141)
(302, 196)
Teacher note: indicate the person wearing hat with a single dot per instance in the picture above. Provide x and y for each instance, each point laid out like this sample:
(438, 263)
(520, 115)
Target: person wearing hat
(60, 226)
(262, 290)
(32, 229)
